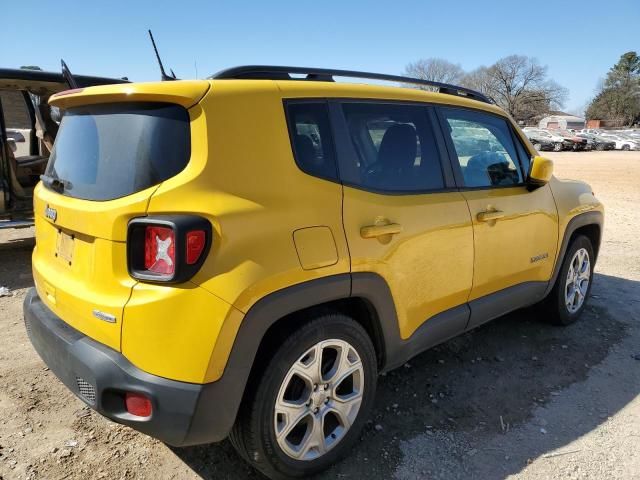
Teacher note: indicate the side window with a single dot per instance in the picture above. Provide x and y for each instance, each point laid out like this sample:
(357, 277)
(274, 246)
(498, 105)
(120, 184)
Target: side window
(311, 140)
(395, 148)
(484, 147)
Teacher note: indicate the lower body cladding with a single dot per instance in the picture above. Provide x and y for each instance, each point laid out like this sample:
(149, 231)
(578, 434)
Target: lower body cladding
(181, 413)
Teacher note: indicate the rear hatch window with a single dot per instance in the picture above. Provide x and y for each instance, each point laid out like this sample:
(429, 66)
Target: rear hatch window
(108, 151)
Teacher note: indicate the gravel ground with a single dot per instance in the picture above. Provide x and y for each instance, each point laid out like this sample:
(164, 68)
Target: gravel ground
(513, 399)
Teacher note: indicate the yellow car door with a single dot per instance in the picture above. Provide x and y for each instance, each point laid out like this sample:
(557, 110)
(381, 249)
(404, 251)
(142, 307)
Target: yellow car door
(403, 218)
(515, 228)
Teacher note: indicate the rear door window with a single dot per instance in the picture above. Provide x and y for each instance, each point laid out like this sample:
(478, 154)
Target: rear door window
(103, 152)
(484, 148)
(395, 148)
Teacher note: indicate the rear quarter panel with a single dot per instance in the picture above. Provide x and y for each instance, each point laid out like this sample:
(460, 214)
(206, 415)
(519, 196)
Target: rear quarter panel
(243, 178)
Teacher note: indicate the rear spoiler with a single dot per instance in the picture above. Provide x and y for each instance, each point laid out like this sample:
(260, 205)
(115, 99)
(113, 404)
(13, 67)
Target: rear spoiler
(183, 92)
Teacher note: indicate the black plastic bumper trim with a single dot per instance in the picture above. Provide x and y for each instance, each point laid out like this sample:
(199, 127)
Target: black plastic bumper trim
(183, 413)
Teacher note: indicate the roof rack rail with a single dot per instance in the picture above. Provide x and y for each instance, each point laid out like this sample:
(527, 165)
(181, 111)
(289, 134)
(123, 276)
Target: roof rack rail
(271, 72)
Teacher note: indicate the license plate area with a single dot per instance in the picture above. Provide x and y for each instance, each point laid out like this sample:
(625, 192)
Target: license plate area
(64, 247)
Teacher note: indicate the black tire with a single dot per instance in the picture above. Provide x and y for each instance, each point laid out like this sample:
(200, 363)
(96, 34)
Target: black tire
(626, 148)
(557, 147)
(254, 433)
(554, 306)
(600, 147)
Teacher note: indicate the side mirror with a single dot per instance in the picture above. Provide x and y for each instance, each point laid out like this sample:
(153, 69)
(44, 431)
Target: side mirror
(540, 172)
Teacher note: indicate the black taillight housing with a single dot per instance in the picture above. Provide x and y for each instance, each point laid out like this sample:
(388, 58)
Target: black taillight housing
(167, 248)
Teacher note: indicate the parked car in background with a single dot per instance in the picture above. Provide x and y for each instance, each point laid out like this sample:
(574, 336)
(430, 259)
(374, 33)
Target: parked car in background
(560, 143)
(577, 143)
(635, 134)
(592, 131)
(543, 143)
(622, 143)
(595, 142)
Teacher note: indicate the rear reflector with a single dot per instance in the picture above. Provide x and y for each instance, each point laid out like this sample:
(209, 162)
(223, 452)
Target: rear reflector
(138, 404)
(196, 241)
(160, 250)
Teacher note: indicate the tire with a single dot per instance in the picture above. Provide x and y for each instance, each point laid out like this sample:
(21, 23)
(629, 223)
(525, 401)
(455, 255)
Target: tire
(600, 147)
(557, 305)
(557, 147)
(282, 385)
(626, 148)
(537, 146)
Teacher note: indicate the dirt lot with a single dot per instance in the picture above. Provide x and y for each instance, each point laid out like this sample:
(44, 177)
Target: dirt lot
(513, 399)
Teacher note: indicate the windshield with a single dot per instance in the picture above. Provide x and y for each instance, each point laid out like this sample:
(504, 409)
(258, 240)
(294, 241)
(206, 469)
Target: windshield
(109, 151)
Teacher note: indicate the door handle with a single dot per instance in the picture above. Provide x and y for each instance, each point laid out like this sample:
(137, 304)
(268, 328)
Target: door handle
(490, 215)
(373, 231)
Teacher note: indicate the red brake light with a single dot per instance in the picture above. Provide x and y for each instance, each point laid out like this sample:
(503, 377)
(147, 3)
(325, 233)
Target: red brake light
(196, 241)
(138, 404)
(160, 250)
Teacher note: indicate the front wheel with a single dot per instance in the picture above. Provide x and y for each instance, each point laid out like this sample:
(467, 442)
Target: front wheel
(557, 147)
(311, 401)
(567, 299)
(626, 148)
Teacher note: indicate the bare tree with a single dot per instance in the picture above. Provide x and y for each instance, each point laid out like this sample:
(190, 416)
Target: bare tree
(518, 84)
(435, 70)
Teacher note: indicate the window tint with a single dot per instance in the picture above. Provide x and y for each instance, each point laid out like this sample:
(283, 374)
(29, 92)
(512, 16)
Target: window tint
(311, 138)
(395, 148)
(484, 147)
(106, 151)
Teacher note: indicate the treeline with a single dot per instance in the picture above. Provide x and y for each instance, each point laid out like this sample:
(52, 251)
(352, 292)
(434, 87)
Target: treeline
(518, 84)
(618, 98)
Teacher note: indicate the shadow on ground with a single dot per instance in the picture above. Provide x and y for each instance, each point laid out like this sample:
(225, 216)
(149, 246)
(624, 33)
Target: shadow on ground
(15, 263)
(459, 390)
(505, 369)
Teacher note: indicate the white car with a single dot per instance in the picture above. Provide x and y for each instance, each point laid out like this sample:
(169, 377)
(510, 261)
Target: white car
(592, 131)
(622, 143)
(546, 133)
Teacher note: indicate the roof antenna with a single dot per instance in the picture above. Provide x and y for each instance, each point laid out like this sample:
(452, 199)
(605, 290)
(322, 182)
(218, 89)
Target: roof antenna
(163, 74)
(68, 76)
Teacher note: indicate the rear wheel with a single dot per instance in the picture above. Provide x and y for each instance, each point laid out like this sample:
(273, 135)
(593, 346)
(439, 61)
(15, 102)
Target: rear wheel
(557, 147)
(537, 146)
(626, 148)
(567, 300)
(311, 400)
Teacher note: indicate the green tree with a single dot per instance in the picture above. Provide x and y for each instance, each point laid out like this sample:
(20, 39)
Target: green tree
(619, 97)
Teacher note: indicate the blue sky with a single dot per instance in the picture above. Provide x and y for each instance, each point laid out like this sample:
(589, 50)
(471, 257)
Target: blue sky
(579, 41)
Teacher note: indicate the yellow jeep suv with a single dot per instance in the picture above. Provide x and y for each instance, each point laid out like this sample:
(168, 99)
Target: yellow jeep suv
(242, 256)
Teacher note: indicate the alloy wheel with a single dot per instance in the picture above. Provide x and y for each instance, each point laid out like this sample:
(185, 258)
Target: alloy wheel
(319, 400)
(577, 282)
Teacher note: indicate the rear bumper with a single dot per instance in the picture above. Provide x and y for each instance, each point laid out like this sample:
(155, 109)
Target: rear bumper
(183, 413)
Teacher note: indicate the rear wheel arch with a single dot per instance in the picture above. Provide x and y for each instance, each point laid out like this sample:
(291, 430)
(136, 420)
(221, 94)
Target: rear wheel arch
(365, 297)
